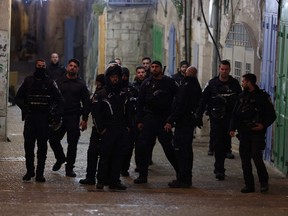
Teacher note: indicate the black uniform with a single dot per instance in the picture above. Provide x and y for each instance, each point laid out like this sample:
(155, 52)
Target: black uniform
(55, 71)
(93, 152)
(252, 107)
(183, 116)
(110, 109)
(132, 92)
(178, 77)
(36, 97)
(76, 103)
(154, 106)
(219, 99)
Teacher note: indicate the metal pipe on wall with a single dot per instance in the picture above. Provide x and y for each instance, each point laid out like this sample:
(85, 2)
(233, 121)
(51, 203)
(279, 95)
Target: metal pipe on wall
(187, 24)
(215, 19)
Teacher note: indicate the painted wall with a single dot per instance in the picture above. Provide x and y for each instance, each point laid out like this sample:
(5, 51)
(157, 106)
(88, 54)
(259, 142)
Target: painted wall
(165, 15)
(5, 20)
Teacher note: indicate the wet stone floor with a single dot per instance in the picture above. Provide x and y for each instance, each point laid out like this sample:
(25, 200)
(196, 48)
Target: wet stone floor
(61, 195)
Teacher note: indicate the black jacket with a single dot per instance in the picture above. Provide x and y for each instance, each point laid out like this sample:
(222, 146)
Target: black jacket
(229, 91)
(76, 96)
(252, 107)
(55, 71)
(186, 103)
(178, 77)
(156, 97)
(110, 108)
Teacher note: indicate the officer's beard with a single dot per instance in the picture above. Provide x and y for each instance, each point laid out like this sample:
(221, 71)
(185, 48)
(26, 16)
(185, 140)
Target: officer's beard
(157, 75)
(40, 73)
(72, 74)
(246, 88)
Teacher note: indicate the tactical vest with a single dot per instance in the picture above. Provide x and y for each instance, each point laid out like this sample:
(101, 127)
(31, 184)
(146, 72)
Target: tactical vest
(38, 97)
(222, 99)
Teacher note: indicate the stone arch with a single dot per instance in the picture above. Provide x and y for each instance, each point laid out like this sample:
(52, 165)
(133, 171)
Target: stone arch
(241, 50)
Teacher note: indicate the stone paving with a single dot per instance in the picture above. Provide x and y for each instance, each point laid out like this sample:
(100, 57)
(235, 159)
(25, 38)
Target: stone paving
(61, 195)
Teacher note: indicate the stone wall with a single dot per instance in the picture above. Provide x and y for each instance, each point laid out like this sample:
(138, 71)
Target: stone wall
(128, 34)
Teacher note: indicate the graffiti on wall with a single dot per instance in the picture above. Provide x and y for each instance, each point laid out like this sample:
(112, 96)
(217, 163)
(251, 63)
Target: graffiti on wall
(4, 43)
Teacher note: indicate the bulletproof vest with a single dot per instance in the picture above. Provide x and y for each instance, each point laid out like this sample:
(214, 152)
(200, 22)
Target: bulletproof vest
(38, 96)
(222, 100)
(248, 110)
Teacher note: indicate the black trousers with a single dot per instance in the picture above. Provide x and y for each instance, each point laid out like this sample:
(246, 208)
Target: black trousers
(93, 153)
(112, 151)
(154, 128)
(183, 138)
(70, 126)
(219, 135)
(36, 128)
(133, 136)
(251, 146)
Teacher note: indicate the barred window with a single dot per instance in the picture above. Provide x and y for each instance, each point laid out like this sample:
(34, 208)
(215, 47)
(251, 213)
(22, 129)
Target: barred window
(238, 36)
(237, 70)
(248, 68)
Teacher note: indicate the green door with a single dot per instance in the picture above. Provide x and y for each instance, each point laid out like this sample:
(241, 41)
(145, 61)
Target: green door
(157, 43)
(281, 136)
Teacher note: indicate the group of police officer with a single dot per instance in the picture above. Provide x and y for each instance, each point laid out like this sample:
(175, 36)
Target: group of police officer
(249, 112)
(60, 104)
(126, 116)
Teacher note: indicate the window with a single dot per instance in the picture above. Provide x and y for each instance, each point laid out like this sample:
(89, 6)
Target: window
(248, 68)
(238, 36)
(237, 70)
(226, 6)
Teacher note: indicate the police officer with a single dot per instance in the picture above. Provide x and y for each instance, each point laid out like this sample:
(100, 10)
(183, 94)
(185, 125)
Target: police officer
(140, 76)
(36, 97)
(77, 104)
(110, 109)
(184, 119)
(154, 106)
(132, 97)
(252, 115)
(219, 96)
(179, 76)
(146, 63)
(55, 70)
(93, 151)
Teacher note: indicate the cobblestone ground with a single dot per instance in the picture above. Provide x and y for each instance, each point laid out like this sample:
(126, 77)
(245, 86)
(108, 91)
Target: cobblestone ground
(62, 195)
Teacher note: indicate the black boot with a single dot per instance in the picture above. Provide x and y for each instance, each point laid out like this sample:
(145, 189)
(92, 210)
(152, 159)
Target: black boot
(58, 165)
(140, 180)
(248, 189)
(28, 176)
(264, 187)
(69, 171)
(87, 181)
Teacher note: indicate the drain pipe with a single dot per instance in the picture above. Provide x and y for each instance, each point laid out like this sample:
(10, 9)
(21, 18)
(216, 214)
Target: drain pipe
(187, 25)
(215, 19)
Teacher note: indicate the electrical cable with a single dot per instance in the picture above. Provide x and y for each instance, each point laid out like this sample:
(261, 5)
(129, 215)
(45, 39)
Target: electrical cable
(206, 24)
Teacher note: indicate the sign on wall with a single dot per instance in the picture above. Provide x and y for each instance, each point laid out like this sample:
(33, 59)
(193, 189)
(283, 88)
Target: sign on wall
(4, 48)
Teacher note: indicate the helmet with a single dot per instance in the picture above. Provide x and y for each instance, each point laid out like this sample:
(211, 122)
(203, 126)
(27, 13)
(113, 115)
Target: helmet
(55, 122)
